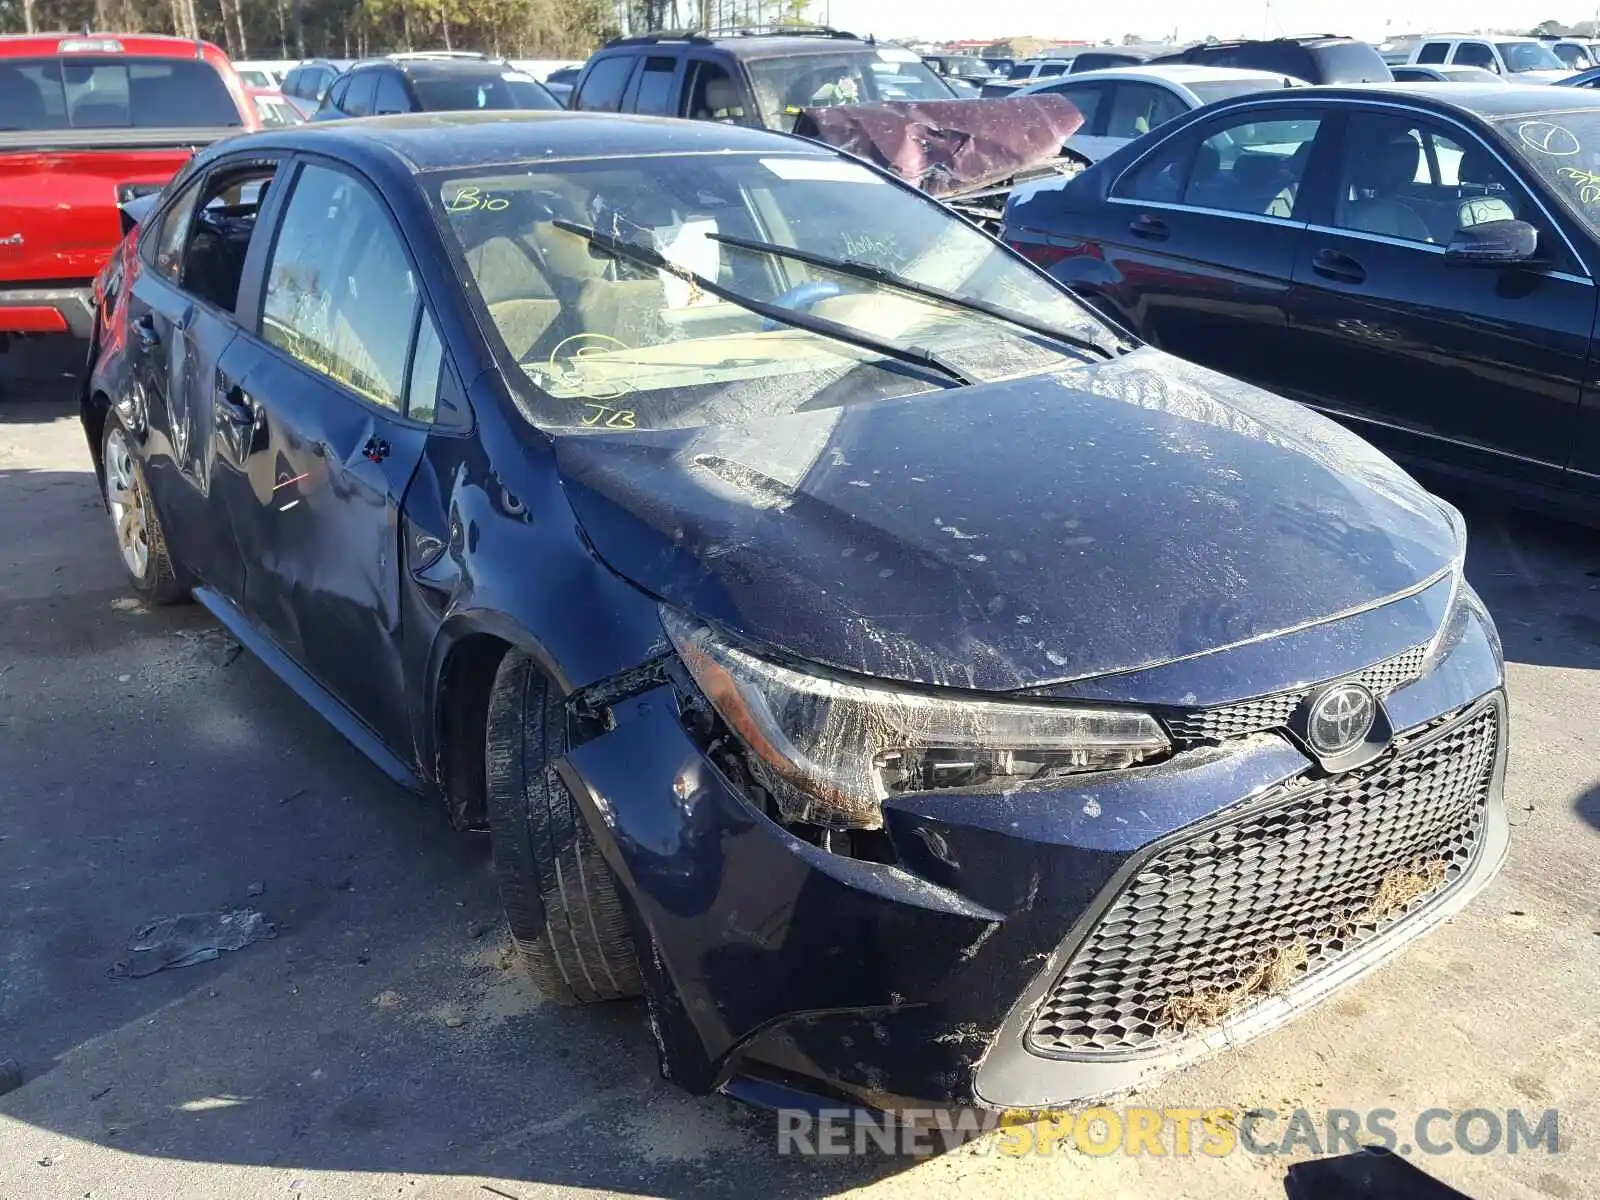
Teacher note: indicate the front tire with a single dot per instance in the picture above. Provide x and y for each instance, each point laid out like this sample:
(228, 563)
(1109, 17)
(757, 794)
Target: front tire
(560, 898)
(141, 543)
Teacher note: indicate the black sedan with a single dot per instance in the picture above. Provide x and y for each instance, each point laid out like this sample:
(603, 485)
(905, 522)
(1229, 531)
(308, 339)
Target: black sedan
(915, 689)
(1418, 261)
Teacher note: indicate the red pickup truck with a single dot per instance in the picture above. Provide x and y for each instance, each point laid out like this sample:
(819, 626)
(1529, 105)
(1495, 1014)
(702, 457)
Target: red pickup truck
(86, 124)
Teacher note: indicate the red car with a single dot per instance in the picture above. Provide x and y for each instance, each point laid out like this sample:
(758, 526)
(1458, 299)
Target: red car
(86, 124)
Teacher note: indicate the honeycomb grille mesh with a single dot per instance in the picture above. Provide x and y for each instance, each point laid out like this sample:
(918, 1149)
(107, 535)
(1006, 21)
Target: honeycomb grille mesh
(1313, 874)
(1270, 712)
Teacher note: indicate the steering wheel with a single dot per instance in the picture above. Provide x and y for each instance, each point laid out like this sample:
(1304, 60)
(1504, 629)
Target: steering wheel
(802, 296)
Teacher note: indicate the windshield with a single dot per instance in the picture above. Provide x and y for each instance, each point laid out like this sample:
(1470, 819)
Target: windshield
(1563, 149)
(786, 85)
(612, 345)
(456, 93)
(276, 113)
(1529, 56)
(957, 64)
(1227, 89)
(92, 92)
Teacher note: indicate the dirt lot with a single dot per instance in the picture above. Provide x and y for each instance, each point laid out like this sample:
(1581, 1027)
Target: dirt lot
(382, 1046)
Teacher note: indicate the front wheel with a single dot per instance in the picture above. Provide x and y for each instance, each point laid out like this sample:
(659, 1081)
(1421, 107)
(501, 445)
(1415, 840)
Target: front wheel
(140, 540)
(560, 897)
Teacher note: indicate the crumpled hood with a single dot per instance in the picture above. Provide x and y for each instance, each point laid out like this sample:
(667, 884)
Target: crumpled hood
(1090, 520)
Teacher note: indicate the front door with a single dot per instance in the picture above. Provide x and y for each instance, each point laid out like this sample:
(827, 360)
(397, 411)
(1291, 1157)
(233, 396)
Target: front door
(318, 451)
(1480, 367)
(1200, 240)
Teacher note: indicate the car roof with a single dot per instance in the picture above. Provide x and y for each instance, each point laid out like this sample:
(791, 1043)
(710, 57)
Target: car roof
(1489, 101)
(149, 44)
(754, 45)
(1480, 37)
(1184, 73)
(436, 68)
(445, 140)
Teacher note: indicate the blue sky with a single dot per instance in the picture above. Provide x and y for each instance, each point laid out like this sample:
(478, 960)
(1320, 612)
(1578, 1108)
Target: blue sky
(1371, 19)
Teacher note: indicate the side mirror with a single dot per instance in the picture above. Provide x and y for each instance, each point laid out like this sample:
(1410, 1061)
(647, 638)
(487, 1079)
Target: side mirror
(1492, 244)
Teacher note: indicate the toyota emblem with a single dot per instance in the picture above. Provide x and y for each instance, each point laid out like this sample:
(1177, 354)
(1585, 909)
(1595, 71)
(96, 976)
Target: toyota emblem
(1340, 719)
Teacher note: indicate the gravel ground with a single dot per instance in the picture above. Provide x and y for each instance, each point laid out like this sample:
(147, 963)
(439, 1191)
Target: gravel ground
(384, 1045)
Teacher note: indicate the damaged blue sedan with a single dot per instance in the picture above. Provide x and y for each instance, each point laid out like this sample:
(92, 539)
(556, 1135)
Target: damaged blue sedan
(915, 689)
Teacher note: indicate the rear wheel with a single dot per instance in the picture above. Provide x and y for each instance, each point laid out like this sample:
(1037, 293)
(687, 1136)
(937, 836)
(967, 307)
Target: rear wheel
(560, 898)
(140, 541)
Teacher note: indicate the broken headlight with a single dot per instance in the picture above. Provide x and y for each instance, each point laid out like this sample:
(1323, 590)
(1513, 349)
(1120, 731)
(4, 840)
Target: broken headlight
(829, 752)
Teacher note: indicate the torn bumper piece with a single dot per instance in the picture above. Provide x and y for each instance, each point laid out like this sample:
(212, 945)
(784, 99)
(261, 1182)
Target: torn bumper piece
(1025, 949)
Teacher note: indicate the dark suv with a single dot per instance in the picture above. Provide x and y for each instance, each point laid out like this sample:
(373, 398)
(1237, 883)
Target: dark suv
(750, 78)
(1325, 59)
(382, 87)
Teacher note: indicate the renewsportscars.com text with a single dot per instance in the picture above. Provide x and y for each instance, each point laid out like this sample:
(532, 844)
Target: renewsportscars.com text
(1174, 1132)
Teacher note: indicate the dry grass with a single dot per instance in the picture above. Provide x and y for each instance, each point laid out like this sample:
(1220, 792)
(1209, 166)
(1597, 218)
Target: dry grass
(1213, 1003)
(1399, 888)
(1210, 1005)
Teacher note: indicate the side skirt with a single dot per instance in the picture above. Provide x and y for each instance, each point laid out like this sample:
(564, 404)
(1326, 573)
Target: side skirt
(313, 693)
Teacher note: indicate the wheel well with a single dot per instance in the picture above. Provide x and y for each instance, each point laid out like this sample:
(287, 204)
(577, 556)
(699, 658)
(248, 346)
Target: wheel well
(95, 408)
(465, 682)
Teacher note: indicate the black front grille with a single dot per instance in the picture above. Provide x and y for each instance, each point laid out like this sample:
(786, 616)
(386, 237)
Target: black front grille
(1212, 925)
(1272, 712)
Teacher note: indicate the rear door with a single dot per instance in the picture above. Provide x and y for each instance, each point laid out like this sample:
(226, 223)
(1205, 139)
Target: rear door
(1199, 238)
(182, 315)
(316, 460)
(1478, 366)
(654, 87)
(604, 83)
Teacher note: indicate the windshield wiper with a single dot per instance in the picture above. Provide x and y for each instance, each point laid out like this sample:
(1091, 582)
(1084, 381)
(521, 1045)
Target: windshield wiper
(646, 256)
(928, 291)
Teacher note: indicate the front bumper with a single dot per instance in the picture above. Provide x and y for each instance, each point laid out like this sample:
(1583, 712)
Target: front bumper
(48, 310)
(779, 969)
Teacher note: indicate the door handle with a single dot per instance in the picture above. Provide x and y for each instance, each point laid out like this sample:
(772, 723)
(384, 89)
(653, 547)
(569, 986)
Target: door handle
(145, 330)
(1151, 228)
(376, 449)
(233, 405)
(1334, 265)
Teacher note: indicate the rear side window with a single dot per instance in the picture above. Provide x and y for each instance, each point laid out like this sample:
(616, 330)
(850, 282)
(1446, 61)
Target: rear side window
(655, 87)
(363, 90)
(607, 80)
(94, 92)
(337, 287)
(391, 96)
(1085, 97)
(1137, 108)
(174, 234)
(1433, 52)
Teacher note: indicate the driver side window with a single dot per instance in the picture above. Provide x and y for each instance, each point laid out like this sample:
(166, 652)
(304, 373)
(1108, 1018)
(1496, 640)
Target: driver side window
(1420, 182)
(1476, 54)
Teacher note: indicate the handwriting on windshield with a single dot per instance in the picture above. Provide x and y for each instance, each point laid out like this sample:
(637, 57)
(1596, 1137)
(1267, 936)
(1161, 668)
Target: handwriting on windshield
(607, 417)
(1588, 183)
(471, 199)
